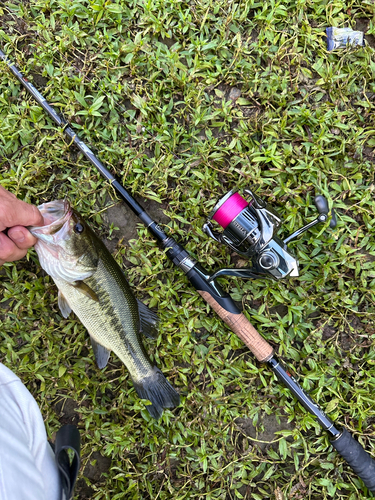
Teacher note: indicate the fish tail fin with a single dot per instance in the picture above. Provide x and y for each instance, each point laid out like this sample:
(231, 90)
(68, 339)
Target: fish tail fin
(159, 391)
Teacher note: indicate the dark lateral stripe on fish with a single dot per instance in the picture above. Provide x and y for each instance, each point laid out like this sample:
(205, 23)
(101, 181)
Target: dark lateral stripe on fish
(101, 284)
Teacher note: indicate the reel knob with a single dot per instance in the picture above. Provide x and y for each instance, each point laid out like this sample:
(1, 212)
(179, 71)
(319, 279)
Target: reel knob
(321, 204)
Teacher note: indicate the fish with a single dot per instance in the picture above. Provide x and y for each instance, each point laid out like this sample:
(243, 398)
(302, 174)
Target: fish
(92, 285)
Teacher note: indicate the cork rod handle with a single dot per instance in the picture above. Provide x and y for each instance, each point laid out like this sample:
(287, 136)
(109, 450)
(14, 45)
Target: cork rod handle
(242, 327)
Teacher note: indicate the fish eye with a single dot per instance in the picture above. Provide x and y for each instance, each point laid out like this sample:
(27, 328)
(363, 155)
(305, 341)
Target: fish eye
(78, 228)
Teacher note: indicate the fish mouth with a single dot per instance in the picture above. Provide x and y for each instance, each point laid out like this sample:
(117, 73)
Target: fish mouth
(55, 214)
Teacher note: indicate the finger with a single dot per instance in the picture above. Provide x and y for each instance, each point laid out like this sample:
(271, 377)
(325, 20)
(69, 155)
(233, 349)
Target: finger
(24, 214)
(21, 237)
(14, 212)
(9, 251)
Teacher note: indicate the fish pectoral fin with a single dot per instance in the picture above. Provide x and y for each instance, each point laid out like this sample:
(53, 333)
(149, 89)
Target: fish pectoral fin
(149, 321)
(86, 290)
(101, 353)
(63, 305)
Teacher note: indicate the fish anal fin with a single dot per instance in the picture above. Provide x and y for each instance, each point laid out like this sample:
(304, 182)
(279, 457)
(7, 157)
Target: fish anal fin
(63, 305)
(101, 353)
(149, 321)
(86, 290)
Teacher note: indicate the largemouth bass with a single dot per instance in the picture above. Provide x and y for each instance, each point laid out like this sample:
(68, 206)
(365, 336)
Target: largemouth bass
(92, 284)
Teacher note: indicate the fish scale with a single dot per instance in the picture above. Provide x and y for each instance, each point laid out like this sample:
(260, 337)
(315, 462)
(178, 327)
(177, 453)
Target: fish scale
(119, 321)
(92, 284)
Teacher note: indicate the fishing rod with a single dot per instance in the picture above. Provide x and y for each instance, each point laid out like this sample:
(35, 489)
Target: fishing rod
(210, 290)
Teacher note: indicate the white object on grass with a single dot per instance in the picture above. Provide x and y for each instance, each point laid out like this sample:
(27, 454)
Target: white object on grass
(27, 463)
(338, 38)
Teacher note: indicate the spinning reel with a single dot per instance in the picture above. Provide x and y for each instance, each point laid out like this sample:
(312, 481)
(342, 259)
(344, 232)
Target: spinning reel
(250, 230)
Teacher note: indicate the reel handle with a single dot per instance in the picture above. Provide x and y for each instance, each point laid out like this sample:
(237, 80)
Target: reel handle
(321, 204)
(358, 459)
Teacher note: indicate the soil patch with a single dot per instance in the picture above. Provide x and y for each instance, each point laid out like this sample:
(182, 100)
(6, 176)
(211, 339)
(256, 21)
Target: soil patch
(95, 467)
(66, 410)
(263, 438)
(121, 216)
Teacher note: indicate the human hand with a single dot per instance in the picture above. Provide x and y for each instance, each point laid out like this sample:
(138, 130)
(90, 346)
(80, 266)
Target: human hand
(14, 216)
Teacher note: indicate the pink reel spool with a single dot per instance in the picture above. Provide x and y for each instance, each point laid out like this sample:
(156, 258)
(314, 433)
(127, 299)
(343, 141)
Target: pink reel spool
(229, 210)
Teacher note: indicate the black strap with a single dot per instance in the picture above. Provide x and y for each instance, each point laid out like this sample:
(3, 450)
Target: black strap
(67, 438)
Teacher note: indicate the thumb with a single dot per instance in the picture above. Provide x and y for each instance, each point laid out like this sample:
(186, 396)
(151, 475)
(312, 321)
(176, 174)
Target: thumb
(14, 212)
(26, 214)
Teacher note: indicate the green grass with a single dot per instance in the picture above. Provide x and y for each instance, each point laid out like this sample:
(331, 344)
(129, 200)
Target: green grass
(303, 125)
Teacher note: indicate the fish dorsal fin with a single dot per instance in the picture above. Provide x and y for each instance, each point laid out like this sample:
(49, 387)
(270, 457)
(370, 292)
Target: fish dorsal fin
(63, 305)
(86, 290)
(101, 353)
(149, 321)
